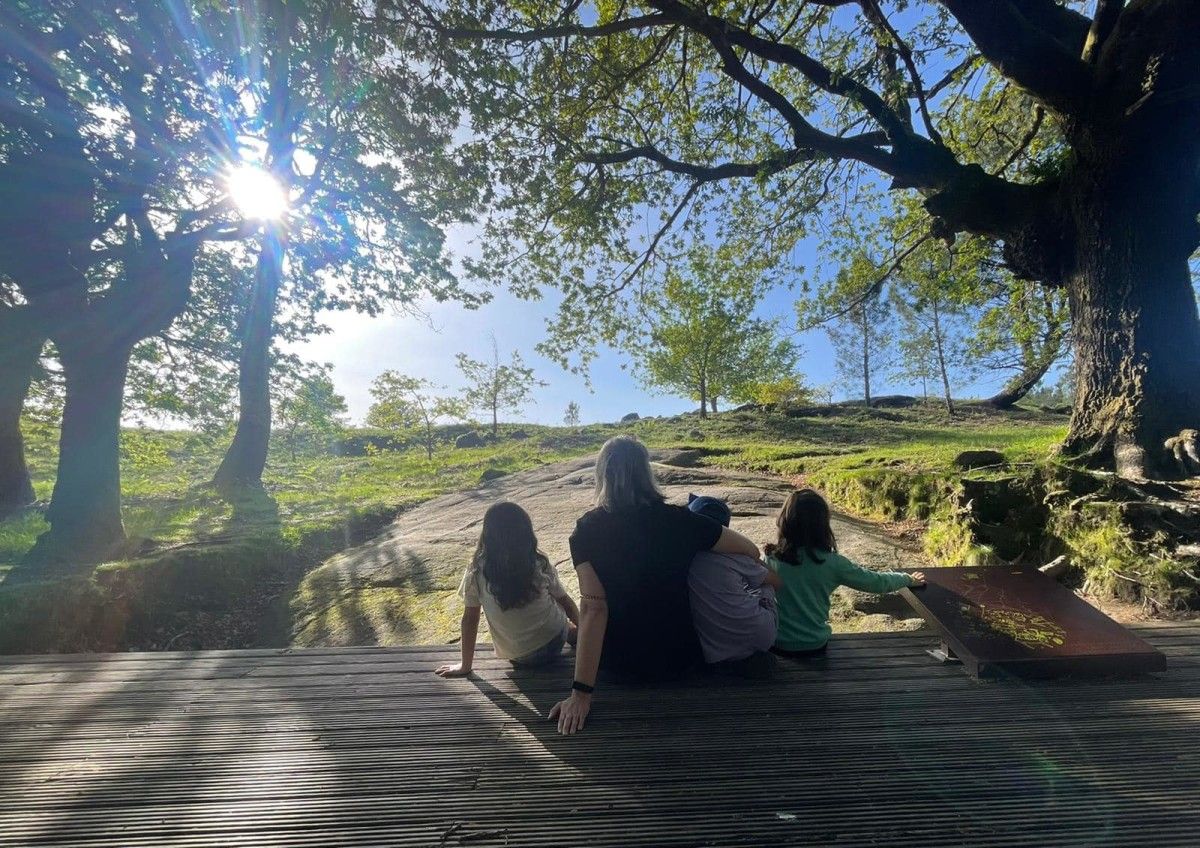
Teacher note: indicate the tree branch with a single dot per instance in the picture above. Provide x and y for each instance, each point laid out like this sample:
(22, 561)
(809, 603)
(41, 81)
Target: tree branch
(785, 54)
(876, 15)
(1103, 23)
(1026, 54)
(1066, 26)
(543, 33)
(1039, 115)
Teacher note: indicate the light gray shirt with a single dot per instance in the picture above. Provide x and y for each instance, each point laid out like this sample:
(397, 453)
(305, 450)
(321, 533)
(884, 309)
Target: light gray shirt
(732, 609)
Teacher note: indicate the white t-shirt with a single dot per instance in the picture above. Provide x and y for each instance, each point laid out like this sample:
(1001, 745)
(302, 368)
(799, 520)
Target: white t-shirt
(519, 631)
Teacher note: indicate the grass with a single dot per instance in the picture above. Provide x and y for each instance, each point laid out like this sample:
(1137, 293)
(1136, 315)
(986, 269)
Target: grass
(211, 573)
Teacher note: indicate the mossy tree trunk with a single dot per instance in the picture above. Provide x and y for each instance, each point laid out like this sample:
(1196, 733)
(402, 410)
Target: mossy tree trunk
(21, 342)
(85, 509)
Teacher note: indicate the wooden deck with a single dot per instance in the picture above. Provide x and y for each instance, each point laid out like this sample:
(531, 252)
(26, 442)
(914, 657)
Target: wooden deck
(875, 745)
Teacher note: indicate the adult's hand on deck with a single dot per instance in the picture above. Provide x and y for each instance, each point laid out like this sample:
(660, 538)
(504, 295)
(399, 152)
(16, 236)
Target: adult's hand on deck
(917, 578)
(572, 712)
(452, 670)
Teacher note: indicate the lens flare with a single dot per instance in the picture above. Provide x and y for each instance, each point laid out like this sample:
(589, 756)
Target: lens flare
(257, 195)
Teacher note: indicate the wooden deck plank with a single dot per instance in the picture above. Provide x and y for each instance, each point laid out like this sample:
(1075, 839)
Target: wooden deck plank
(874, 745)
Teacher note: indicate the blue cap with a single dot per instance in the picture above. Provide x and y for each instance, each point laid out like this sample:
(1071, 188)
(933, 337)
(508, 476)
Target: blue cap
(710, 507)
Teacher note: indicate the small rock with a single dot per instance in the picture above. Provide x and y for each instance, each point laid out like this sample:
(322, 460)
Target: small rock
(633, 416)
(698, 435)
(978, 458)
(491, 474)
(469, 440)
(682, 459)
(1056, 567)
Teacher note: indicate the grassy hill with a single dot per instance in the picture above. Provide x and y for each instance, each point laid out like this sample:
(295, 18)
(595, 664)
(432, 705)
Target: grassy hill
(205, 572)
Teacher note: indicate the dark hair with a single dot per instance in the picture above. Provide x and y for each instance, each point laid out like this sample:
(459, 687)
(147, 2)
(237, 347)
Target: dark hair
(803, 524)
(507, 556)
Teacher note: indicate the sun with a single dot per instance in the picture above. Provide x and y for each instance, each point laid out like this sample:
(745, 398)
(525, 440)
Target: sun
(257, 195)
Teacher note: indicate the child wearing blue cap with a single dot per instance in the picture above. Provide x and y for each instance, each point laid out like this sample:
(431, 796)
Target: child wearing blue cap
(733, 603)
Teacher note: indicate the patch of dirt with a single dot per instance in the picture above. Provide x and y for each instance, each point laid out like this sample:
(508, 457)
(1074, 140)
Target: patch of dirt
(1133, 613)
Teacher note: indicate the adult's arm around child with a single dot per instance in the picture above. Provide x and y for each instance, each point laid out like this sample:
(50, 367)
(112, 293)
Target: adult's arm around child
(572, 712)
(733, 542)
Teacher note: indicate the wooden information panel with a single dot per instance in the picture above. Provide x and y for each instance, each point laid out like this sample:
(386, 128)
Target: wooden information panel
(1004, 619)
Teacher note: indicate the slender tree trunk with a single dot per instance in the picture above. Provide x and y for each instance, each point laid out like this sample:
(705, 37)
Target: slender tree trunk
(22, 345)
(246, 458)
(940, 346)
(1021, 384)
(495, 418)
(712, 402)
(703, 395)
(85, 509)
(864, 327)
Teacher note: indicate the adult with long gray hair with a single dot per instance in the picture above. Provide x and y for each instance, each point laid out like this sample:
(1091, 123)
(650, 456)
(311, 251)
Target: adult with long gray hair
(632, 553)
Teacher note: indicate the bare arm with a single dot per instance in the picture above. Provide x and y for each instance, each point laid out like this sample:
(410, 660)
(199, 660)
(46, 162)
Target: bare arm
(470, 632)
(733, 542)
(568, 606)
(572, 712)
(773, 580)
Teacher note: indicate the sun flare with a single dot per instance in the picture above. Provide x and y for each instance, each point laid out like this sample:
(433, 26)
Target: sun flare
(256, 194)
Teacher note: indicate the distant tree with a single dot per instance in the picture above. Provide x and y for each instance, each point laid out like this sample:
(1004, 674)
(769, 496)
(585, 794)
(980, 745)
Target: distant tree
(785, 391)
(403, 402)
(310, 406)
(1057, 394)
(1024, 330)
(929, 293)
(494, 386)
(571, 416)
(701, 338)
(861, 333)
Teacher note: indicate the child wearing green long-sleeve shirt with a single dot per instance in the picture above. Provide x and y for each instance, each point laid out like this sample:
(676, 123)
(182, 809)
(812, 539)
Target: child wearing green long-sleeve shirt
(806, 559)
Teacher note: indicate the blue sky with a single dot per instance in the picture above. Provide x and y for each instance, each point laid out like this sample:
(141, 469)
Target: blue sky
(360, 347)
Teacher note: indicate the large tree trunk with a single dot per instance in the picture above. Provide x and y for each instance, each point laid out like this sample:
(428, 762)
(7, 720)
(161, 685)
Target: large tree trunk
(712, 402)
(22, 344)
(244, 461)
(1133, 308)
(85, 509)
(246, 458)
(1137, 346)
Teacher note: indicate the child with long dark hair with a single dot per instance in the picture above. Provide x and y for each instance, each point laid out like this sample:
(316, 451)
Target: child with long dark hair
(529, 613)
(806, 559)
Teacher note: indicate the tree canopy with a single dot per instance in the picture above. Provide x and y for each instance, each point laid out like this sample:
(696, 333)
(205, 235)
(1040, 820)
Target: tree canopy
(616, 125)
(700, 337)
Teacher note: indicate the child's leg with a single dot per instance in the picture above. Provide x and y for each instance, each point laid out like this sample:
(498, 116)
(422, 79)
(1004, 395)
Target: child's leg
(544, 655)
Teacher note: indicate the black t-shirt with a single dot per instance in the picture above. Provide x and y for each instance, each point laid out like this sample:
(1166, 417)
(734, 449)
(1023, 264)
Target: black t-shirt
(642, 557)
